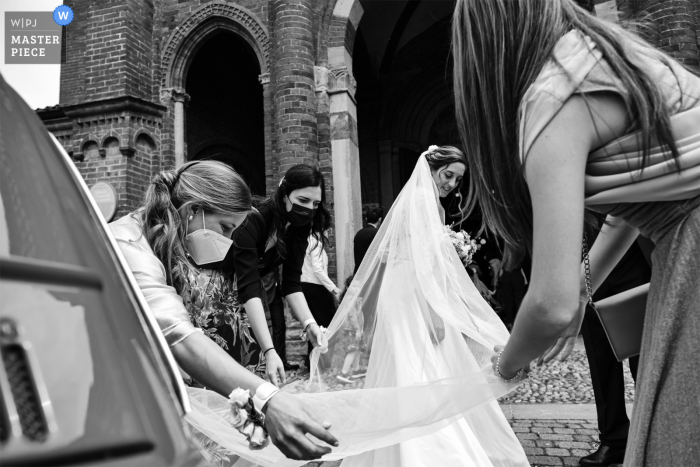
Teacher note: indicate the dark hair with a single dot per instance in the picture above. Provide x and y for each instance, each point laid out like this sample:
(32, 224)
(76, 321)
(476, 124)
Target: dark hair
(441, 156)
(499, 48)
(372, 212)
(212, 186)
(298, 177)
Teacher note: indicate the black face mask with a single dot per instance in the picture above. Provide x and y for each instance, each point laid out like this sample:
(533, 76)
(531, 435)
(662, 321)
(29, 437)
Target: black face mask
(300, 215)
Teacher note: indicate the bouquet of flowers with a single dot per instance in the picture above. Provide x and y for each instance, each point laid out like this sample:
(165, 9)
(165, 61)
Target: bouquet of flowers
(464, 244)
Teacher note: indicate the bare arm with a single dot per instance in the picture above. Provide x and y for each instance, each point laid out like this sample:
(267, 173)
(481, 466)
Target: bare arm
(274, 366)
(614, 240)
(211, 366)
(555, 174)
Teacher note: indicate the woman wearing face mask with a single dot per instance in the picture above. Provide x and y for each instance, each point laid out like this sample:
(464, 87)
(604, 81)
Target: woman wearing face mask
(277, 234)
(175, 245)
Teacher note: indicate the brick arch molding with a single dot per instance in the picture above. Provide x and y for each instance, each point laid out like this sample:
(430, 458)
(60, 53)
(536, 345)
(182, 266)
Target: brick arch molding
(189, 35)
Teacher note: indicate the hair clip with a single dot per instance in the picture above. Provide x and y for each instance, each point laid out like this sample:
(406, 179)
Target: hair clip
(281, 180)
(433, 147)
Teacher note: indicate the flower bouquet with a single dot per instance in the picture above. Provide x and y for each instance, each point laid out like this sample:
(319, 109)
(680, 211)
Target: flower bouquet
(464, 244)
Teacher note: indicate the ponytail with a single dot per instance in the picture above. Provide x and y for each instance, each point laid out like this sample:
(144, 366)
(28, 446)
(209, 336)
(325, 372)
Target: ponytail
(210, 185)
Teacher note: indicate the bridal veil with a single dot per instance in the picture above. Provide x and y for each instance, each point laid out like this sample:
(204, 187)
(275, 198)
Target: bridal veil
(420, 380)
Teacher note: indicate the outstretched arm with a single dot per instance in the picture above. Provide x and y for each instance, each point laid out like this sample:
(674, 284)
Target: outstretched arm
(555, 174)
(614, 240)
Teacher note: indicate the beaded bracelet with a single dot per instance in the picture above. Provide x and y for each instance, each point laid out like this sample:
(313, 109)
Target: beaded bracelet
(498, 370)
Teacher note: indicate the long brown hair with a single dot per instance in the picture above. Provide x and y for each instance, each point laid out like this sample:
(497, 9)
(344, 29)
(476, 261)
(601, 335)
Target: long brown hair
(298, 177)
(499, 48)
(209, 185)
(442, 156)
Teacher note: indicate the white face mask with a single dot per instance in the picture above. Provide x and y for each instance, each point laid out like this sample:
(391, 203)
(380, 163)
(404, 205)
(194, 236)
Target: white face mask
(206, 246)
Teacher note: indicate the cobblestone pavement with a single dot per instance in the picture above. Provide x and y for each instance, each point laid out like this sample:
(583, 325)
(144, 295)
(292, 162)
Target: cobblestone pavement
(566, 382)
(546, 442)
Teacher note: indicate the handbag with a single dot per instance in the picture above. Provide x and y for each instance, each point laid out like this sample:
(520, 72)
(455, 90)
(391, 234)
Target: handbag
(621, 315)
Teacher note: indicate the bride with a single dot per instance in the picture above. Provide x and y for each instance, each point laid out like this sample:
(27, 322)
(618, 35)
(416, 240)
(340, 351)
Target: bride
(429, 395)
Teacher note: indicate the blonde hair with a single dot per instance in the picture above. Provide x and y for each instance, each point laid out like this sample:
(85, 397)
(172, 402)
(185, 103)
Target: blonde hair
(209, 185)
(499, 48)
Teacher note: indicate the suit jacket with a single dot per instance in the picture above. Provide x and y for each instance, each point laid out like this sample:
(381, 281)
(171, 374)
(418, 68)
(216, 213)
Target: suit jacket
(363, 239)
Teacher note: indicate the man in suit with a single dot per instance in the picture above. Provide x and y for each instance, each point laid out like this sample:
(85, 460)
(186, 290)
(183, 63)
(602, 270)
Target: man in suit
(372, 215)
(607, 375)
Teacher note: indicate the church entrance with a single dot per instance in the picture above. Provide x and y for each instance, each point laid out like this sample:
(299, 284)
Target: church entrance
(404, 90)
(224, 118)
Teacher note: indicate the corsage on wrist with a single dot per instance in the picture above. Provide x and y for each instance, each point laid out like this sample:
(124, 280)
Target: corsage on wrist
(498, 370)
(247, 419)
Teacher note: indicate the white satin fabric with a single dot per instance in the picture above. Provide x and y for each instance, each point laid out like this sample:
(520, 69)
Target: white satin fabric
(425, 401)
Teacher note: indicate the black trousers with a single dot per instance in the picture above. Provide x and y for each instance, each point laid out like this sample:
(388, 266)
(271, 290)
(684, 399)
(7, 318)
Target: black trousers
(322, 308)
(607, 374)
(279, 326)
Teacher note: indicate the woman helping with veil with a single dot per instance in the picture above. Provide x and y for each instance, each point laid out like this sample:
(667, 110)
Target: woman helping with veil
(430, 394)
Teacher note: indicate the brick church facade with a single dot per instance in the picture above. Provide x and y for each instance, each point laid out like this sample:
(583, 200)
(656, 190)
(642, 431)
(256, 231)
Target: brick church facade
(357, 87)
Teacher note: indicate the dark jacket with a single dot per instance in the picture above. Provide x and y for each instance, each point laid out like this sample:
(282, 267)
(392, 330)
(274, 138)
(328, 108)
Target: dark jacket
(363, 239)
(249, 260)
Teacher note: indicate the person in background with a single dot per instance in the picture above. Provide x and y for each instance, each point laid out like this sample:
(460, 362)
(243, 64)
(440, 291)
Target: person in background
(320, 291)
(607, 374)
(372, 215)
(273, 289)
(174, 246)
(275, 234)
(480, 286)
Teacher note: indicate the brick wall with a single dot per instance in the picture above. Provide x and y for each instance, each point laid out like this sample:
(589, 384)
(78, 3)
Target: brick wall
(293, 81)
(672, 27)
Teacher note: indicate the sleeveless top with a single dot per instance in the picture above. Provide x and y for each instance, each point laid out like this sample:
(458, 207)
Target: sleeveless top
(613, 172)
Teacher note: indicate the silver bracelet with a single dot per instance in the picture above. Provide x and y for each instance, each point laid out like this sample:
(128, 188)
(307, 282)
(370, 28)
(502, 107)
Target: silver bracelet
(498, 370)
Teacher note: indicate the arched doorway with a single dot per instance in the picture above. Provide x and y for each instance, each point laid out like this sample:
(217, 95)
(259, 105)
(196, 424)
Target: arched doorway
(225, 114)
(401, 63)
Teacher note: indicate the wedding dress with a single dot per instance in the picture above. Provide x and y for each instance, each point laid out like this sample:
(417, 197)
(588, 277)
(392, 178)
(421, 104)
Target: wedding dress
(428, 399)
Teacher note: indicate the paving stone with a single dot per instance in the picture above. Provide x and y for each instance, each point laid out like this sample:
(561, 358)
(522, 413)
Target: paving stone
(573, 444)
(540, 429)
(555, 436)
(564, 431)
(557, 452)
(544, 460)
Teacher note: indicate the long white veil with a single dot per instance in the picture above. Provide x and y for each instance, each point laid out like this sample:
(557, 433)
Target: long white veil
(410, 284)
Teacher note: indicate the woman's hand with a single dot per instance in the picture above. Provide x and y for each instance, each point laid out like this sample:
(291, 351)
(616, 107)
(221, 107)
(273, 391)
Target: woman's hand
(275, 368)
(287, 420)
(315, 336)
(563, 347)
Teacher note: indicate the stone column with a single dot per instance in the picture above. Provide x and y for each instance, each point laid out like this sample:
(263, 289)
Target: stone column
(674, 27)
(346, 167)
(179, 98)
(293, 76)
(269, 119)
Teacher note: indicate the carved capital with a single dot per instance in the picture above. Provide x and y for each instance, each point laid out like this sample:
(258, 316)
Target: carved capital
(321, 78)
(264, 78)
(174, 94)
(341, 80)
